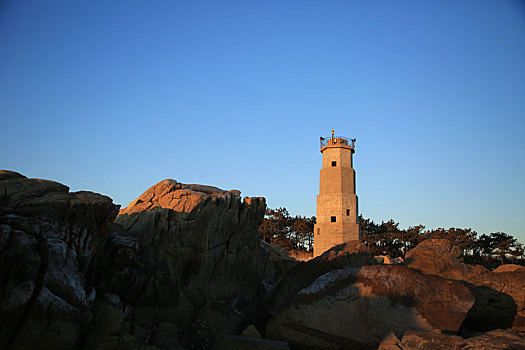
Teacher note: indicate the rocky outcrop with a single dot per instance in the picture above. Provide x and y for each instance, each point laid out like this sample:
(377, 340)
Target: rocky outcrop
(182, 265)
(500, 300)
(196, 258)
(440, 257)
(301, 274)
(51, 241)
(356, 307)
(494, 340)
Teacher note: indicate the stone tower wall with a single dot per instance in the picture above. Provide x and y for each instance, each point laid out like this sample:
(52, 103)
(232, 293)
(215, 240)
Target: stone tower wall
(337, 199)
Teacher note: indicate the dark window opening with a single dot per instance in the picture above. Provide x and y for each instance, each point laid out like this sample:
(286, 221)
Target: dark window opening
(347, 212)
(332, 219)
(318, 231)
(334, 163)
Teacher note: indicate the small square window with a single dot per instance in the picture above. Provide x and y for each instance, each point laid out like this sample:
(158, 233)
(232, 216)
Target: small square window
(332, 219)
(334, 163)
(347, 212)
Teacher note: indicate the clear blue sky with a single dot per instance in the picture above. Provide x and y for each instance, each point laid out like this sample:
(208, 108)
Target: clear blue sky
(114, 96)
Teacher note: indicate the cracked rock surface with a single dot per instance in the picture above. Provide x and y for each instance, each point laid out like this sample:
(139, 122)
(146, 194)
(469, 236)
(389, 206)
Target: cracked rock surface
(180, 265)
(200, 257)
(50, 245)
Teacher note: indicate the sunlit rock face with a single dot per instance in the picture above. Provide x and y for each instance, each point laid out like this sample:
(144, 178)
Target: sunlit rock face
(181, 198)
(199, 257)
(440, 257)
(51, 241)
(500, 296)
(356, 307)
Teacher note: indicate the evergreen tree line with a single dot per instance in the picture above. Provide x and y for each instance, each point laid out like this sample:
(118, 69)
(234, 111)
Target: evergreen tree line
(295, 233)
(291, 233)
(490, 250)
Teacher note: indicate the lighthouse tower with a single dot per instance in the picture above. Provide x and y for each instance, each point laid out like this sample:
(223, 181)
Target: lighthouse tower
(337, 217)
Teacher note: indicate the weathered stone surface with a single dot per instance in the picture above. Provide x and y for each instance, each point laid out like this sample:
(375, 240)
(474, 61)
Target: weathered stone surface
(493, 340)
(359, 306)
(351, 253)
(50, 246)
(194, 255)
(497, 339)
(509, 268)
(500, 300)
(440, 257)
(230, 342)
(302, 274)
(183, 261)
(419, 340)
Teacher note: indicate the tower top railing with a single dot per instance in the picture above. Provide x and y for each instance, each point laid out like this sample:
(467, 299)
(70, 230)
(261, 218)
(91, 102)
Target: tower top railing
(336, 140)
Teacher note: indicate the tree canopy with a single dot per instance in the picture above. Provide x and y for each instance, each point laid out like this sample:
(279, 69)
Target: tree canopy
(295, 233)
(493, 249)
(291, 233)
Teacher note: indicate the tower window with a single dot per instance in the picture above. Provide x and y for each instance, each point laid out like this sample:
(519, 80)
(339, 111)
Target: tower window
(332, 219)
(334, 163)
(318, 231)
(347, 212)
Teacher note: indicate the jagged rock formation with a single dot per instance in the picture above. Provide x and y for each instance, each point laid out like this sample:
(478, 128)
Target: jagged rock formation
(51, 242)
(184, 265)
(500, 296)
(199, 258)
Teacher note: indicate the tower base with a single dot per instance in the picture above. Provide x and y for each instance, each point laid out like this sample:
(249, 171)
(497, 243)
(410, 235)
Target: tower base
(330, 234)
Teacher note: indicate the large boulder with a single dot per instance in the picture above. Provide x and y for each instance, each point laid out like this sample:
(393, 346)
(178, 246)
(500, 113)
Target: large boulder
(356, 307)
(302, 274)
(500, 300)
(194, 258)
(441, 257)
(51, 247)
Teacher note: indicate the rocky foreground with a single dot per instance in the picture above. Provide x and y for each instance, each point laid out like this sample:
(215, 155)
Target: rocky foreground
(183, 267)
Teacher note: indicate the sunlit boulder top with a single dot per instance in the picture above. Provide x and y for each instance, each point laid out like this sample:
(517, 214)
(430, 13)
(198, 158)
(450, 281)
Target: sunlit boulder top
(170, 194)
